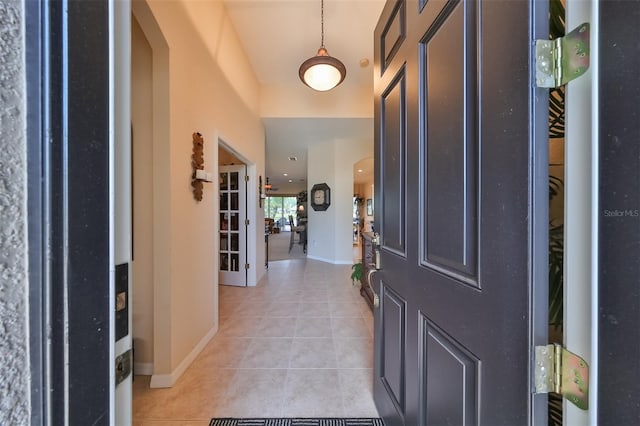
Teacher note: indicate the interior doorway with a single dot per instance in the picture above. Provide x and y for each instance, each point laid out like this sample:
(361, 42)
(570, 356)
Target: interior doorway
(232, 173)
(362, 202)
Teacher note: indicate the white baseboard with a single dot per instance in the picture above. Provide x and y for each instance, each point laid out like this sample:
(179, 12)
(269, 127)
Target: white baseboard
(143, 368)
(332, 261)
(168, 380)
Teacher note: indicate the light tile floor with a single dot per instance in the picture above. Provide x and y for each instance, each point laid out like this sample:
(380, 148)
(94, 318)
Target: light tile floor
(299, 344)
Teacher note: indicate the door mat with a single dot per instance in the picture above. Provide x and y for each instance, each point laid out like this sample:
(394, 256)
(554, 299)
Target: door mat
(297, 422)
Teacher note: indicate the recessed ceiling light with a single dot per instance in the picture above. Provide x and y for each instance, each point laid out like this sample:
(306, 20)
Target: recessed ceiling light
(290, 180)
(360, 170)
(285, 174)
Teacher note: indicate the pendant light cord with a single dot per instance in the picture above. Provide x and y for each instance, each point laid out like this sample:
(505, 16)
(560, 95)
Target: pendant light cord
(322, 23)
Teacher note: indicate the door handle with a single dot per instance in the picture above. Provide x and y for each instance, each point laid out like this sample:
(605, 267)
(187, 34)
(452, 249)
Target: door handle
(376, 298)
(375, 242)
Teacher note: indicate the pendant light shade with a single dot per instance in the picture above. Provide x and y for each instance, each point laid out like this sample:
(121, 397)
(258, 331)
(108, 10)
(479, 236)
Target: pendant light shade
(322, 72)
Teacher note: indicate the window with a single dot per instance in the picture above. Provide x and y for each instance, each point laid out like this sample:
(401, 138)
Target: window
(279, 209)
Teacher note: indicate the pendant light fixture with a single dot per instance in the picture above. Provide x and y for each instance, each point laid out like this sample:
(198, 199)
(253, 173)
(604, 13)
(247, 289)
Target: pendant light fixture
(322, 72)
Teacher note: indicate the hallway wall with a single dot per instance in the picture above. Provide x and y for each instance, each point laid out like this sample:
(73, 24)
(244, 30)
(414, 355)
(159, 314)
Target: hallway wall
(330, 236)
(201, 83)
(142, 175)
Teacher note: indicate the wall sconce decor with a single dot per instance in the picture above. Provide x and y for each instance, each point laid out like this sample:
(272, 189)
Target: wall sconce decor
(261, 195)
(198, 175)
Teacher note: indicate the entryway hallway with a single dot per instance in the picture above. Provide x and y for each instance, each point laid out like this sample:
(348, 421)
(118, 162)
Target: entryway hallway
(300, 343)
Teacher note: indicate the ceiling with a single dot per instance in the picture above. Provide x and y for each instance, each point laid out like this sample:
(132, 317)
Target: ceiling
(278, 35)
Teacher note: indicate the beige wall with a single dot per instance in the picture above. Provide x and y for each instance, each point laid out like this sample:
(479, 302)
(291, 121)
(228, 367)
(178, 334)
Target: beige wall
(198, 85)
(142, 146)
(332, 162)
(299, 101)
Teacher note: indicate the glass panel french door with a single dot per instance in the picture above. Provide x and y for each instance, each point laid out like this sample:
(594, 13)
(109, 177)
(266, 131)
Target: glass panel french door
(233, 228)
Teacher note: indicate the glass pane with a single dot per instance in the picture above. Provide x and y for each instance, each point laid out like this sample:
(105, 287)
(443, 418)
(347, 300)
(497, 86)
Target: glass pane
(235, 262)
(224, 262)
(234, 201)
(234, 181)
(224, 238)
(224, 201)
(223, 181)
(224, 221)
(235, 240)
(272, 207)
(234, 222)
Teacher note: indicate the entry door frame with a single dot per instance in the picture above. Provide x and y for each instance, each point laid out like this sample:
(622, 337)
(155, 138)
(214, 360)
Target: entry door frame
(70, 230)
(255, 229)
(581, 213)
(229, 276)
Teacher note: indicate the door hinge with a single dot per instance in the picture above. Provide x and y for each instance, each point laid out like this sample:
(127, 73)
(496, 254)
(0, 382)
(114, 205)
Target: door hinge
(561, 60)
(561, 371)
(246, 222)
(246, 266)
(123, 366)
(246, 178)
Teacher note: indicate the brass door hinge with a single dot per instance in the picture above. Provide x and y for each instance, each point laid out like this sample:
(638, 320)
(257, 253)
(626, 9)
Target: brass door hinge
(246, 266)
(246, 178)
(246, 222)
(561, 60)
(561, 371)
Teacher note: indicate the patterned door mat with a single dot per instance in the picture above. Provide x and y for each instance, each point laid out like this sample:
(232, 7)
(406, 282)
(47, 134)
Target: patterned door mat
(297, 422)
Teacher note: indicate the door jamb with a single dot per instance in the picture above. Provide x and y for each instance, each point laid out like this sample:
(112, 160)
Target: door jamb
(251, 209)
(539, 226)
(581, 206)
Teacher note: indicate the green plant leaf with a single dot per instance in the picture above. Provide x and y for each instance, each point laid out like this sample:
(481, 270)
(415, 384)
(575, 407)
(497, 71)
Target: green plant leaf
(357, 272)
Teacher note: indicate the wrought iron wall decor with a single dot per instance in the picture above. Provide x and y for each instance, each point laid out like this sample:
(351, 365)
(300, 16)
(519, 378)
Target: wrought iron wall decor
(197, 163)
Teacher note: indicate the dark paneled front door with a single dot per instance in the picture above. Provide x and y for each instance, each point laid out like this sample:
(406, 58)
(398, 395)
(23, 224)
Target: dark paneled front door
(461, 181)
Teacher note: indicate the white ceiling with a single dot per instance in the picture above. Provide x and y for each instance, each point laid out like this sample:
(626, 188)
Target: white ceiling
(278, 35)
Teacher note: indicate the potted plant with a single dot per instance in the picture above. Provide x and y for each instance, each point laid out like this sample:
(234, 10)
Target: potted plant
(357, 273)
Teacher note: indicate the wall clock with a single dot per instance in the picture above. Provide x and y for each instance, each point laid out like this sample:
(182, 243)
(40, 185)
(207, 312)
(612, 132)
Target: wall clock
(320, 197)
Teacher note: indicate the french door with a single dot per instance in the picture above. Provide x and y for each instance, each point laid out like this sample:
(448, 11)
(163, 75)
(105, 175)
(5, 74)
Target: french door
(233, 225)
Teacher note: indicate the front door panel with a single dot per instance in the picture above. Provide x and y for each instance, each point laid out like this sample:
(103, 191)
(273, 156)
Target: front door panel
(393, 335)
(449, 157)
(450, 387)
(456, 123)
(393, 165)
